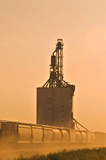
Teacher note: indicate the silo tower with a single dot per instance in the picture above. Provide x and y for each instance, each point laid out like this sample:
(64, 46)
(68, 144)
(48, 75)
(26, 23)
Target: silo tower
(55, 97)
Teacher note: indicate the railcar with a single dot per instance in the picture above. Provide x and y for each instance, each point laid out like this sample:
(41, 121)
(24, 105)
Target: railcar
(15, 132)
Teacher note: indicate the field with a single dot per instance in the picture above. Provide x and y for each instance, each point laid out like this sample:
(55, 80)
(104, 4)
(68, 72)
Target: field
(86, 154)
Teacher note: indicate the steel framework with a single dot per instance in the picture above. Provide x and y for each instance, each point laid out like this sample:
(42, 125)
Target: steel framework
(56, 69)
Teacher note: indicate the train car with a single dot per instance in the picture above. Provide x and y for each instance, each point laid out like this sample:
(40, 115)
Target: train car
(100, 139)
(29, 133)
(23, 133)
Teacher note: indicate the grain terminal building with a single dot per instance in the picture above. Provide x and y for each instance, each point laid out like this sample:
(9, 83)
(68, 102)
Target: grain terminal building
(55, 98)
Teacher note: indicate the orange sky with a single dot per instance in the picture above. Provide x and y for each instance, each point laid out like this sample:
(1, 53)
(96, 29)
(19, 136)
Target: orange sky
(28, 33)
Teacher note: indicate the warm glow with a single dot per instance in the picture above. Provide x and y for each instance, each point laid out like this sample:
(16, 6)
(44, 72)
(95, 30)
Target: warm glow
(28, 33)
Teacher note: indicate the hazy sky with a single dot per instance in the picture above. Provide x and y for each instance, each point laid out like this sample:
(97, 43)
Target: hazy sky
(28, 33)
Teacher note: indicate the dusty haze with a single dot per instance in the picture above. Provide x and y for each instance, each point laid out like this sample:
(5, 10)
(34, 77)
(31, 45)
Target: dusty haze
(28, 33)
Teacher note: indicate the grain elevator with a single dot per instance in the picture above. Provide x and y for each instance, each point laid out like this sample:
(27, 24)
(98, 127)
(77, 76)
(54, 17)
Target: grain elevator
(55, 97)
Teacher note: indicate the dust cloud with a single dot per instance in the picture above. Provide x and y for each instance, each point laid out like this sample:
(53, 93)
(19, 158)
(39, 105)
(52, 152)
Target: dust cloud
(26, 150)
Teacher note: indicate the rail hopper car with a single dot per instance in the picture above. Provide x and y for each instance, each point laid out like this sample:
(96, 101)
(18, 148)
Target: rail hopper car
(14, 132)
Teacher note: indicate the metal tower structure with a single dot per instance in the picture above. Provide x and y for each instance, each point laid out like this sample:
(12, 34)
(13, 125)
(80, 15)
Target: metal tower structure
(55, 98)
(56, 68)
